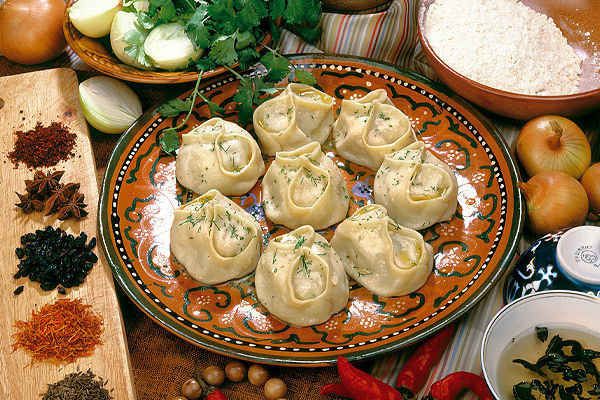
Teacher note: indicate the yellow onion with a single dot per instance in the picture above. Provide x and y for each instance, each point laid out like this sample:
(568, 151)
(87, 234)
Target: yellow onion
(553, 143)
(591, 183)
(555, 201)
(31, 30)
(109, 105)
(93, 18)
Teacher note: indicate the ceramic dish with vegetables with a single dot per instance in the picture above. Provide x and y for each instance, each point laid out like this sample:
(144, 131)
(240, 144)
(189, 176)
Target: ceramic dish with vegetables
(207, 219)
(173, 41)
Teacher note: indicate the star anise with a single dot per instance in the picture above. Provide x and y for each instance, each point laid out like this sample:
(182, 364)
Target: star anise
(29, 203)
(44, 184)
(73, 207)
(60, 198)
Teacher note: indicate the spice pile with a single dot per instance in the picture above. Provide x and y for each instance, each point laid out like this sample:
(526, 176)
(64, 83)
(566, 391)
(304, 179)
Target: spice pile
(63, 331)
(43, 146)
(78, 386)
(45, 193)
(53, 257)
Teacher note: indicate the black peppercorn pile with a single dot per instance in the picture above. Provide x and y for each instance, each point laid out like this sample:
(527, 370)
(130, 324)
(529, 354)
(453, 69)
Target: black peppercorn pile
(78, 386)
(54, 258)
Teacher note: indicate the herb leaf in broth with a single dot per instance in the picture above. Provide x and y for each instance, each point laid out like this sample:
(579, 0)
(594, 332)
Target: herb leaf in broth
(557, 357)
(542, 333)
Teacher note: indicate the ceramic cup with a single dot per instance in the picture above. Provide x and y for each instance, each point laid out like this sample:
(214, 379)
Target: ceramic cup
(551, 308)
(567, 260)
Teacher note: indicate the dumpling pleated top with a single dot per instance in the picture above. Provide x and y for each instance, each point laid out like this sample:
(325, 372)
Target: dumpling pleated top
(417, 189)
(379, 254)
(299, 115)
(370, 127)
(304, 187)
(300, 278)
(219, 155)
(215, 239)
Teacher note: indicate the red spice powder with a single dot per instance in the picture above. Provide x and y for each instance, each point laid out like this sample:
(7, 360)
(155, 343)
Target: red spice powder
(43, 146)
(63, 331)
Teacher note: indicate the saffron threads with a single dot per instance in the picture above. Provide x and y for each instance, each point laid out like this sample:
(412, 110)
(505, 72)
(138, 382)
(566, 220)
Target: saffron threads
(43, 146)
(78, 386)
(63, 331)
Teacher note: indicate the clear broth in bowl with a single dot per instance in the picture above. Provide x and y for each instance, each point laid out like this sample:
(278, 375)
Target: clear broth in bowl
(527, 346)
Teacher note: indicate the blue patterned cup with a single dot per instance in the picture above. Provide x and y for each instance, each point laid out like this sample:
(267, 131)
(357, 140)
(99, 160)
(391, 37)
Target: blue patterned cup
(576, 266)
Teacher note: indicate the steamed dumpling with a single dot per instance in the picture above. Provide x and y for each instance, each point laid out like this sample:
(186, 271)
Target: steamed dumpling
(300, 279)
(299, 115)
(370, 127)
(215, 239)
(417, 188)
(384, 257)
(304, 187)
(219, 155)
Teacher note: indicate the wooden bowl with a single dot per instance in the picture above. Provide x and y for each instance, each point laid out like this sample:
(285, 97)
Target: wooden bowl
(575, 18)
(97, 54)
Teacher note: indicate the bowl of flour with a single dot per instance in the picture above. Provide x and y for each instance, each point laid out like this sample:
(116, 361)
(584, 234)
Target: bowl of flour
(519, 59)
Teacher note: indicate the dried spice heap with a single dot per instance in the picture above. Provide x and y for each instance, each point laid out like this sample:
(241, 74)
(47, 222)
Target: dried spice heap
(78, 386)
(45, 193)
(63, 331)
(43, 146)
(53, 257)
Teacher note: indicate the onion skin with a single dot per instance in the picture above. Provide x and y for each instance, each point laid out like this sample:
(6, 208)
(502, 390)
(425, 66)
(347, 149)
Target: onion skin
(555, 201)
(591, 183)
(553, 143)
(31, 30)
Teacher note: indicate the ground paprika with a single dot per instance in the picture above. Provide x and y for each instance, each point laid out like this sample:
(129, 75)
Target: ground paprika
(43, 146)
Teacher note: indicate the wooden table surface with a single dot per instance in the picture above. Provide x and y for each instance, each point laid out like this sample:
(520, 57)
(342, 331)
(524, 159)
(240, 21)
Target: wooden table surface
(160, 361)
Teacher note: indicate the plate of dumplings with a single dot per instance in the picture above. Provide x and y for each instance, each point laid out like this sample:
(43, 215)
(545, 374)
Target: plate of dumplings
(350, 218)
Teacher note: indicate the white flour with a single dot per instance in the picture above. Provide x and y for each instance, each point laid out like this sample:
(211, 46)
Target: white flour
(503, 44)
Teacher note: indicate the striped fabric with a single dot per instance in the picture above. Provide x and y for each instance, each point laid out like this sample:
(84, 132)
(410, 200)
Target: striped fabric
(390, 36)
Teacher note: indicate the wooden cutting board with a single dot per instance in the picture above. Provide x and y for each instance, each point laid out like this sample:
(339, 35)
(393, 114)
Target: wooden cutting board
(47, 96)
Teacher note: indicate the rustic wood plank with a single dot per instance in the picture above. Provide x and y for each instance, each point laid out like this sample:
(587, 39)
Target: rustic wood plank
(46, 96)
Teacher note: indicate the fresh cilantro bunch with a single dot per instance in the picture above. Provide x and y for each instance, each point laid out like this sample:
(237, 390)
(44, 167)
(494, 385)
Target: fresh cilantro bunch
(230, 31)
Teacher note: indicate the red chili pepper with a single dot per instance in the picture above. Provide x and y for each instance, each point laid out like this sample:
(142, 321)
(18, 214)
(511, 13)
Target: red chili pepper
(358, 385)
(336, 389)
(454, 384)
(416, 370)
(216, 395)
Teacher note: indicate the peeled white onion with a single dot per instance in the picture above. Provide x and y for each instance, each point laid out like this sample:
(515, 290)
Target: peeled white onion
(122, 23)
(170, 48)
(109, 105)
(93, 18)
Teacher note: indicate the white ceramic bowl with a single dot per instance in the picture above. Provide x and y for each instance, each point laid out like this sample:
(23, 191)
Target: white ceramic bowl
(550, 308)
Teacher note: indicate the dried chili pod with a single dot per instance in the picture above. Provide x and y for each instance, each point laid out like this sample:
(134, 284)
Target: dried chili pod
(452, 386)
(416, 370)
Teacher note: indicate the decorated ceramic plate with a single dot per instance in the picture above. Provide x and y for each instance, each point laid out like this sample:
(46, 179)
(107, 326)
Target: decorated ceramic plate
(472, 251)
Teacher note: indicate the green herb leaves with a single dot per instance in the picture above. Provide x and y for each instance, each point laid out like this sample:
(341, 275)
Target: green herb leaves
(196, 29)
(300, 16)
(223, 51)
(567, 358)
(174, 107)
(278, 67)
(302, 76)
